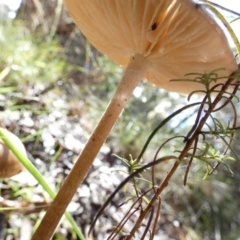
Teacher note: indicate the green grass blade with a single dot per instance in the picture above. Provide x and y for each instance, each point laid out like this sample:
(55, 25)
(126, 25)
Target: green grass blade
(37, 175)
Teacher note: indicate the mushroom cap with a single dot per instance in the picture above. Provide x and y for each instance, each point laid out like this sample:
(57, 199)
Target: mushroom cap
(9, 163)
(176, 36)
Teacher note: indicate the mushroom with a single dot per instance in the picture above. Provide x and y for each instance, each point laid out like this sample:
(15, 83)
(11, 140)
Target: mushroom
(9, 163)
(158, 40)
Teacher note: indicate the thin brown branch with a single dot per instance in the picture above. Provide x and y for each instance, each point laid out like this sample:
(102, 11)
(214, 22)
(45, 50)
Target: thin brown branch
(194, 132)
(190, 162)
(100, 211)
(148, 224)
(154, 228)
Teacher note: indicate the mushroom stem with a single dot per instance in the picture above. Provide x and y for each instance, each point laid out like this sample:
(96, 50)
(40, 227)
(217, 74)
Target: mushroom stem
(133, 75)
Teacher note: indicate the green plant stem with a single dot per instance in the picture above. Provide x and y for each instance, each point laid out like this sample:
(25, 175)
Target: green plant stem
(36, 174)
(133, 75)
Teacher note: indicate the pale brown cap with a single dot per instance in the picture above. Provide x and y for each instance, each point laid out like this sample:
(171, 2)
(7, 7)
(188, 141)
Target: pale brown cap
(176, 36)
(9, 163)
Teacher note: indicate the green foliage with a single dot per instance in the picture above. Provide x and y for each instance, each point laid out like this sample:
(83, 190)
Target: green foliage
(192, 149)
(26, 57)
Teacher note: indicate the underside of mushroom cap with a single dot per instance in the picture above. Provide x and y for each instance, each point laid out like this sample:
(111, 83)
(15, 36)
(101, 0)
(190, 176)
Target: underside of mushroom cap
(176, 36)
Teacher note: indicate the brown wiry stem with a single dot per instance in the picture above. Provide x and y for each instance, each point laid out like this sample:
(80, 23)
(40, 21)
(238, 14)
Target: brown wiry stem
(133, 74)
(183, 154)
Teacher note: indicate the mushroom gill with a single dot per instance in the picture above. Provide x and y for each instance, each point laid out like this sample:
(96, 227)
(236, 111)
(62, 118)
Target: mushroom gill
(176, 37)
